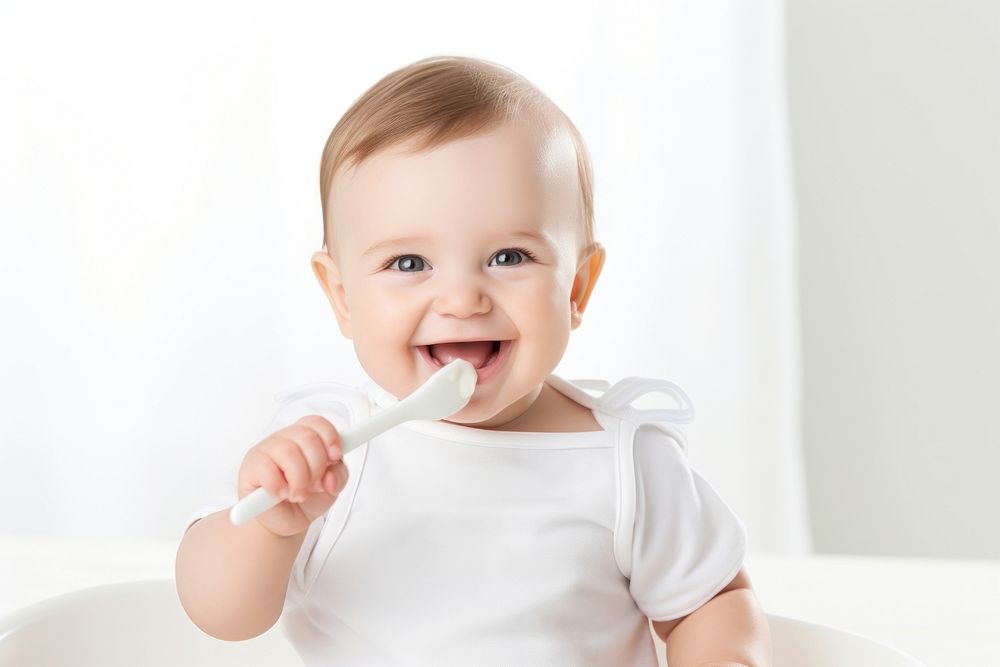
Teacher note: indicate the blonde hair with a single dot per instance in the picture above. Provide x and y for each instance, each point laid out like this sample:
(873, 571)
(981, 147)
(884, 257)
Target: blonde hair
(440, 99)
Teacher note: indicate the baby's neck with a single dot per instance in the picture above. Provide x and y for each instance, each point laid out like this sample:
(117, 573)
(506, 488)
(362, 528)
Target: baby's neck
(551, 412)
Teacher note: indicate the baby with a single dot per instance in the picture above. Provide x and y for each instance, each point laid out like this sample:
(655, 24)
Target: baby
(539, 525)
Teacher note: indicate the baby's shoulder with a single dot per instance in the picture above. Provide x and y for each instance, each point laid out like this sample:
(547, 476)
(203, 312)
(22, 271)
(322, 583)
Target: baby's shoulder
(629, 401)
(341, 404)
(628, 397)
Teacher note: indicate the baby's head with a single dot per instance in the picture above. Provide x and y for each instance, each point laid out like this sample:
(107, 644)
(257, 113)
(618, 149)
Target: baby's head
(457, 206)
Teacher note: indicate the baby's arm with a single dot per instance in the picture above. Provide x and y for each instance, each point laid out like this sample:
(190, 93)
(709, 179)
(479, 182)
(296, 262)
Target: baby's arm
(729, 630)
(232, 580)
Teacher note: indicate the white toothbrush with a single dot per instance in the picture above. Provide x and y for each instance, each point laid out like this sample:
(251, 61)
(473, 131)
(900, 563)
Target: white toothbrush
(442, 395)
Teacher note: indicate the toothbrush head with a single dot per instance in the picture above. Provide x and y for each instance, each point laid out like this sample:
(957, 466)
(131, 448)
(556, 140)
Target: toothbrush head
(444, 393)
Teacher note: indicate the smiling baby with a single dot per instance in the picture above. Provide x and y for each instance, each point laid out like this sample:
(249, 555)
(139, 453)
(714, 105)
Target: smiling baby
(540, 524)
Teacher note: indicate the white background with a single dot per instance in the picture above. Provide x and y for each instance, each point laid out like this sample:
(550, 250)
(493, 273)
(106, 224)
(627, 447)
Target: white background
(159, 175)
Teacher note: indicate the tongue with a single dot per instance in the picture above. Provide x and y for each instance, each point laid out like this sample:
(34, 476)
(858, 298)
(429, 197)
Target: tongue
(476, 353)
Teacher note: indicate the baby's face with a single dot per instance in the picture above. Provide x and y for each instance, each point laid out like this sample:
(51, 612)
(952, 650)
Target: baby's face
(471, 211)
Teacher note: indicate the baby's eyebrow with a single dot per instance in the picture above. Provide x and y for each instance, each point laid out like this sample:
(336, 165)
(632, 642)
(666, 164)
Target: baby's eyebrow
(388, 243)
(407, 240)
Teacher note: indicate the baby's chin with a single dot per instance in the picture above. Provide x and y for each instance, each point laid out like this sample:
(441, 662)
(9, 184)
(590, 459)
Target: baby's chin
(485, 416)
(489, 422)
(475, 413)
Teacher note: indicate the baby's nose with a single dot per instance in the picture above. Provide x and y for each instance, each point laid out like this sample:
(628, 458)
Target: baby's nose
(462, 298)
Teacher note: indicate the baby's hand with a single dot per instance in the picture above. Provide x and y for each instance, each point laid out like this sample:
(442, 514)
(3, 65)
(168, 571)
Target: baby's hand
(300, 464)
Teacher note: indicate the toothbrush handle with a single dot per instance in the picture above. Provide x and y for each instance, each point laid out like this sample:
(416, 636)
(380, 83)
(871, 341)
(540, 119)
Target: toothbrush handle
(260, 500)
(254, 503)
(371, 427)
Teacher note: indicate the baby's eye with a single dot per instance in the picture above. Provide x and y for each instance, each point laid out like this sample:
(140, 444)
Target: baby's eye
(508, 253)
(408, 261)
(414, 263)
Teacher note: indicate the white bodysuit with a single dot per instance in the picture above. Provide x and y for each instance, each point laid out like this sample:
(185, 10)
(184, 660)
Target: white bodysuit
(453, 545)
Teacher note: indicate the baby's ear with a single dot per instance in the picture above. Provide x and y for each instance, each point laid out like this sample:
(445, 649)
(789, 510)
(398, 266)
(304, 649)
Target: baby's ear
(328, 274)
(583, 284)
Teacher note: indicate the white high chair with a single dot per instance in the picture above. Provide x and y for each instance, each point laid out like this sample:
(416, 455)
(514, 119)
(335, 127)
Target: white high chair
(143, 623)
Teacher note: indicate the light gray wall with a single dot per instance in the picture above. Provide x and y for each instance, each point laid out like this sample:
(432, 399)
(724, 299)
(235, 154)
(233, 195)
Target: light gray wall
(895, 109)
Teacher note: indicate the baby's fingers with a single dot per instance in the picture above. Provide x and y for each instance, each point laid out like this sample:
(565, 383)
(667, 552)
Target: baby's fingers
(335, 479)
(318, 431)
(314, 448)
(294, 466)
(330, 482)
(267, 475)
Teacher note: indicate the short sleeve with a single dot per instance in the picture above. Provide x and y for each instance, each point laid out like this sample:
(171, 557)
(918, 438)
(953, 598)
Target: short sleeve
(687, 545)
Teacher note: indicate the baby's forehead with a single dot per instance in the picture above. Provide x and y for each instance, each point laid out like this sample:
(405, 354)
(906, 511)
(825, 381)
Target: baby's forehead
(507, 177)
(548, 144)
(510, 158)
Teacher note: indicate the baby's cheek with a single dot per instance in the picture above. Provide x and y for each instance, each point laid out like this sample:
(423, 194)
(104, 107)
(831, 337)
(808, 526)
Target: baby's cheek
(546, 306)
(382, 317)
(545, 328)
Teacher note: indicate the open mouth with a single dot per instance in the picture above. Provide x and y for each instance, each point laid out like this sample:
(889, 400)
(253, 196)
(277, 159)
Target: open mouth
(487, 360)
